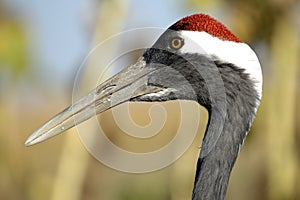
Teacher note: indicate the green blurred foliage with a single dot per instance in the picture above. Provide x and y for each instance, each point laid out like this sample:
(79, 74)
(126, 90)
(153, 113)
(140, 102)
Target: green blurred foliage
(13, 49)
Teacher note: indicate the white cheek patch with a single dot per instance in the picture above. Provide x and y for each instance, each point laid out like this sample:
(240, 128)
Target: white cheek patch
(239, 54)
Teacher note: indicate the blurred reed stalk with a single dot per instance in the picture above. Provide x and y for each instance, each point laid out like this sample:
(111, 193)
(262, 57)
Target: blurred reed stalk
(281, 98)
(74, 160)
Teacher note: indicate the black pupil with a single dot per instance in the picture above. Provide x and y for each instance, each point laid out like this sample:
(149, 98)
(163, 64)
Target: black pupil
(176, 43)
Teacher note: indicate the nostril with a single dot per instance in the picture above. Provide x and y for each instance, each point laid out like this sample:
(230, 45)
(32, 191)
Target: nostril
(105, 89)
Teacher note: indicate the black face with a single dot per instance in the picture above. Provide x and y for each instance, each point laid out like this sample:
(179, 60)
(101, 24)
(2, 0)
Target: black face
(168, 44)
(187, 76)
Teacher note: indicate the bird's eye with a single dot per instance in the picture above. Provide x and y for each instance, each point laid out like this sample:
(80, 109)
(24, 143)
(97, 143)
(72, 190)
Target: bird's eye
(176, 43)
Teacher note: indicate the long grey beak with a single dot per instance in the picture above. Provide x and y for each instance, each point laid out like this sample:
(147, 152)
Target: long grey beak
(128, 84)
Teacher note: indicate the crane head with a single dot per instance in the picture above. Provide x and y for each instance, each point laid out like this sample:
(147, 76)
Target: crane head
(180, 65)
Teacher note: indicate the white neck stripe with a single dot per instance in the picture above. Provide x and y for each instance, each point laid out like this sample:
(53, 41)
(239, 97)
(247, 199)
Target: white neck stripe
(239, 54)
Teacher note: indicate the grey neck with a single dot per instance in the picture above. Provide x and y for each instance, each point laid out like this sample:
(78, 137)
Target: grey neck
(214, 169)
(217, 159)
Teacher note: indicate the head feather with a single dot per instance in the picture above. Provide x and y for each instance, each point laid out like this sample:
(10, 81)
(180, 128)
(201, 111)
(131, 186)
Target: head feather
(202, 22)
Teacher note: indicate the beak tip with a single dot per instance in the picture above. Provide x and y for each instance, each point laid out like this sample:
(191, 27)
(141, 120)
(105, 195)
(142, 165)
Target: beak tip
(28, 142)
(31, 140)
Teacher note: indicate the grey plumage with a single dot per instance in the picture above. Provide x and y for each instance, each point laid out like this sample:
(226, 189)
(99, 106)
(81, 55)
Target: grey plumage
(228, 94)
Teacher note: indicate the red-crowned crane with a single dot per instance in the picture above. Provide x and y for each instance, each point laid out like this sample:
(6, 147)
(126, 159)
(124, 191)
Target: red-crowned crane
(196, 59)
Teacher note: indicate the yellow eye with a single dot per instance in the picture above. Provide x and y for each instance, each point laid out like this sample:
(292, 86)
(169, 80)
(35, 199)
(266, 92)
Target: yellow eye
(176, 43)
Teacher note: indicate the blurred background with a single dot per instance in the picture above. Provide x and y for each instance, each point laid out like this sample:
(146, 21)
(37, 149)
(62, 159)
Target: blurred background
(43, 43)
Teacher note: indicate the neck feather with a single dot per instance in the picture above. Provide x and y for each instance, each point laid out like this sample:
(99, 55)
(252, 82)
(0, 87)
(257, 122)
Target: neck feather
(215, 165)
